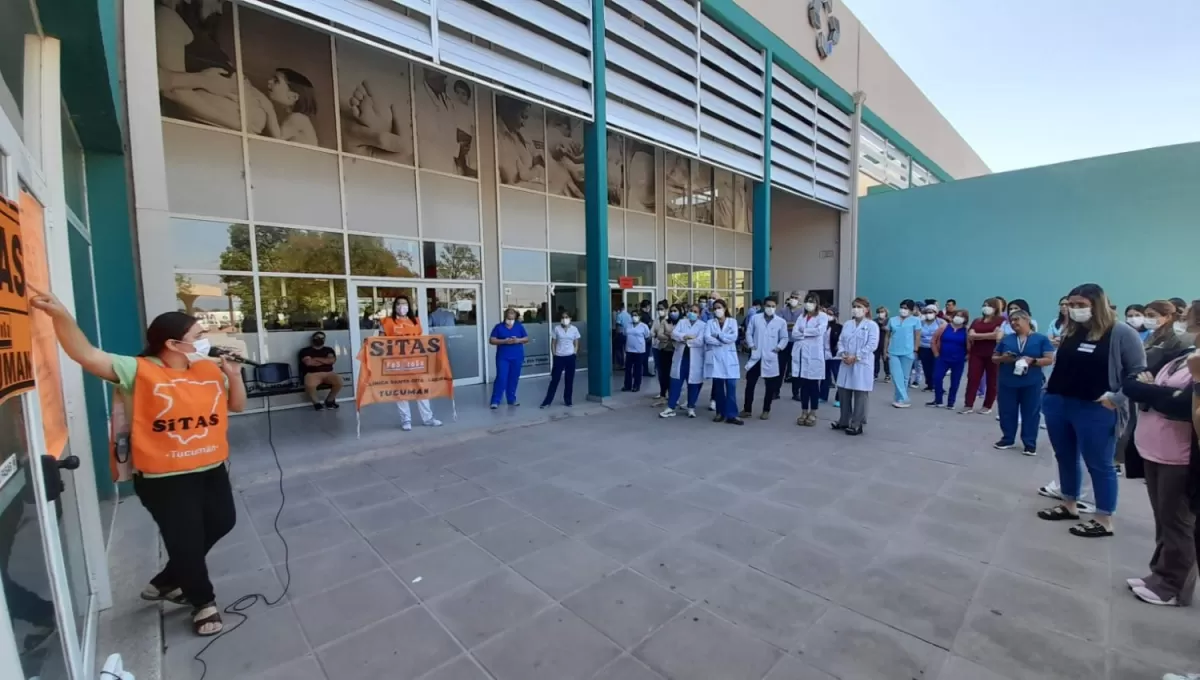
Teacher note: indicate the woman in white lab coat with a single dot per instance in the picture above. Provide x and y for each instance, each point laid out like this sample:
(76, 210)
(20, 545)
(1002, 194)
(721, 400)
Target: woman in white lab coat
(808, 358)
(687, 364)
(721, 363)
(856, 379)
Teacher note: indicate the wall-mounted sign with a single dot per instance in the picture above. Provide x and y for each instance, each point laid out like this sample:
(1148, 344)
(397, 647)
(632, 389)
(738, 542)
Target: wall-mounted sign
(625, 281)
(827, 26)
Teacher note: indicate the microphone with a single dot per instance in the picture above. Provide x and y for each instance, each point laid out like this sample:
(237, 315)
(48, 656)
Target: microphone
(222, 353)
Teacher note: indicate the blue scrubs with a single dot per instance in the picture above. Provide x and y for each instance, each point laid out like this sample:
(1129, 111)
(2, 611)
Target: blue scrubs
(509, 359)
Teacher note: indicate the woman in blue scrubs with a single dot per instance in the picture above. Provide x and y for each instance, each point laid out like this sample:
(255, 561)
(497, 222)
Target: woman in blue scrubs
(509, 338)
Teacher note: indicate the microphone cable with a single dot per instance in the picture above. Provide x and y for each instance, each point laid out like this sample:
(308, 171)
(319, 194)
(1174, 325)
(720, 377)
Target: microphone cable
(245, 602)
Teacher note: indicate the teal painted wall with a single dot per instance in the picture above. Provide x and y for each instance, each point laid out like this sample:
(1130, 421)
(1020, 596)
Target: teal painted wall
(1130, 222)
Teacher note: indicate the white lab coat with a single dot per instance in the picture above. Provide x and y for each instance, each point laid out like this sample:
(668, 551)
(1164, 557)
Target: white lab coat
(808, 350)
(764, 336)
(683, 329)
(859, 339)
(720, 358)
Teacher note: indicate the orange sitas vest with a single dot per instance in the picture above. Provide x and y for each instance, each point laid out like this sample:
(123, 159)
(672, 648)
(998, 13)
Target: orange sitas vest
(180, 417)
(400, 327)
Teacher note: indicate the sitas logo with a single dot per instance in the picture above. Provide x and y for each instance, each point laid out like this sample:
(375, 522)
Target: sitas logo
(832, 33)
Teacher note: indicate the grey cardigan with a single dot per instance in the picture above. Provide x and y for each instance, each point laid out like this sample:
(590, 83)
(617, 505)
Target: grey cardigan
(1126, 356)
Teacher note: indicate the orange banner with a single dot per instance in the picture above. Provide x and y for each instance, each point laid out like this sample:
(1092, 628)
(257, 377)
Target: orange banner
(16, 336)
(45, 344)
(403, 369)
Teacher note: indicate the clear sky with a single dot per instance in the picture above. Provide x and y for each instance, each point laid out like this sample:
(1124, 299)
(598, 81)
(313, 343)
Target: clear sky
(1033, 82)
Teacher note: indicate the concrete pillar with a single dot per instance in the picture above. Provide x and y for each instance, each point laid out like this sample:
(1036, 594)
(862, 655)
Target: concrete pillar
(595, 193)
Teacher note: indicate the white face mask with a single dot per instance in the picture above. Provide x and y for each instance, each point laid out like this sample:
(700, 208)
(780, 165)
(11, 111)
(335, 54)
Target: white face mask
(566, 322)
(402, 310)
(883, 316)
(1080, 315)
(769, 311)
(859, 312)
(1150, 324)
(201, 348)
(509, 322)
(810, 306)
(793, 302)
(662, 313)
(719, 312)
(988, 310)
(904, 313)
(958, 321)
(1135, 321)
(930, 317)
(1180, 327)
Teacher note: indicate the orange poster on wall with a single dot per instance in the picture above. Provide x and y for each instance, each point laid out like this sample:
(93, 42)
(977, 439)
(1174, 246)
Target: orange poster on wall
(403, 369)
(45, 345)
(16, 338)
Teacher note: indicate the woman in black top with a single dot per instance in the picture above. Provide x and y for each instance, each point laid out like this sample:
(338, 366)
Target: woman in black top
(881, 360)
(1085, 407)
(832, 363)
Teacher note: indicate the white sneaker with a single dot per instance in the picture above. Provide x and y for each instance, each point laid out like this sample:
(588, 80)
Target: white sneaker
(407, 427)
(434, 423)
(1149, 597)
(901, 404)
(1051, 490)
(712, 405)
(691, 413)
(669, 413)
(1135, 583)
(966, 412)
(1084, 508)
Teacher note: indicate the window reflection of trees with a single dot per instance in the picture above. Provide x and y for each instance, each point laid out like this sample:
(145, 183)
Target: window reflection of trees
(224, 303)
(303, 304)
(452, 261)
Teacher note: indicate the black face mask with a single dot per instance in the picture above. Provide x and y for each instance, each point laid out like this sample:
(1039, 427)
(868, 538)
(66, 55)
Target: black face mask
(318, 343)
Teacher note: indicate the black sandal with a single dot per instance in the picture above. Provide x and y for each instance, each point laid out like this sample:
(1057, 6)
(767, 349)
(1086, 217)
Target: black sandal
(1090, 529)
(204, 616)
(152, 593)
(1058, 513)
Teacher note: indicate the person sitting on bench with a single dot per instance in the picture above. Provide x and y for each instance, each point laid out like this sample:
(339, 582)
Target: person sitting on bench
(316, 369)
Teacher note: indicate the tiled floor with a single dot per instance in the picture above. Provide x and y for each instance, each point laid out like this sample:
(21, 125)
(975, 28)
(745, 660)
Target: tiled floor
(619, 546)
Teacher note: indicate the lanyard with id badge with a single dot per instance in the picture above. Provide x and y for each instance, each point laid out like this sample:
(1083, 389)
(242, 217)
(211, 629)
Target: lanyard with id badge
(1022, 365)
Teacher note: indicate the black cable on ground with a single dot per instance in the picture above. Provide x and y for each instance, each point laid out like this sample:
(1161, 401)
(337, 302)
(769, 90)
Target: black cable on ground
(245, 602)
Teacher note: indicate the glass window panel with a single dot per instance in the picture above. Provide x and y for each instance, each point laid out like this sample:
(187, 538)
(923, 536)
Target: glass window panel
(520, 143)
(454, 313)
(375, 302)
(564, 140)
(73, 169)
(616, 169)
(702, 192)
(740, 279)
(384, 130)
(743, 203)
(299, 251)
(225, 305)
(702, 280)
(524, 265)
(679, 275)
(198, 244)
(452, 261)
(642, 272)
(677, 172)
(531, 305)
(446, 131)
(723, 202)
(291, 304)
(678, 296)
(380, 256)
(616, 269)
(568, 268)
(725, 279)
(640, 185)
(573, 301)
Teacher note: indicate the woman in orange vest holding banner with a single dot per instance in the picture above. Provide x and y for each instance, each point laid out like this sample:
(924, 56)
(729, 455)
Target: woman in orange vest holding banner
(181, 403)
(404, 323)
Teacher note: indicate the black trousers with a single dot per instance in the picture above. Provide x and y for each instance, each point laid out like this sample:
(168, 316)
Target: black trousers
(662, 368)
(772, 391)
(193, 511)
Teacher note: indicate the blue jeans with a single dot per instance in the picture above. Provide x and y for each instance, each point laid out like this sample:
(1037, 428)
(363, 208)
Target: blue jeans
(693, 390)
(508, 374)
(901, 374)
(940, 366)
(725, 394)
(832, 366)
(561, 366)
(1087, 430)
(634, 363)
(1026, 401)
(810, 392)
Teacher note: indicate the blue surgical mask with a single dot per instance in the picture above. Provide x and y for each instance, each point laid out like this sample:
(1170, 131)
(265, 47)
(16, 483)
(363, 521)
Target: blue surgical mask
(691, 316)
(674, 316)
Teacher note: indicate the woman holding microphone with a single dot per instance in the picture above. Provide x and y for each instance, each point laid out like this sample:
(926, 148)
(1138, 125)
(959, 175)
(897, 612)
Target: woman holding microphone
(179, 444)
